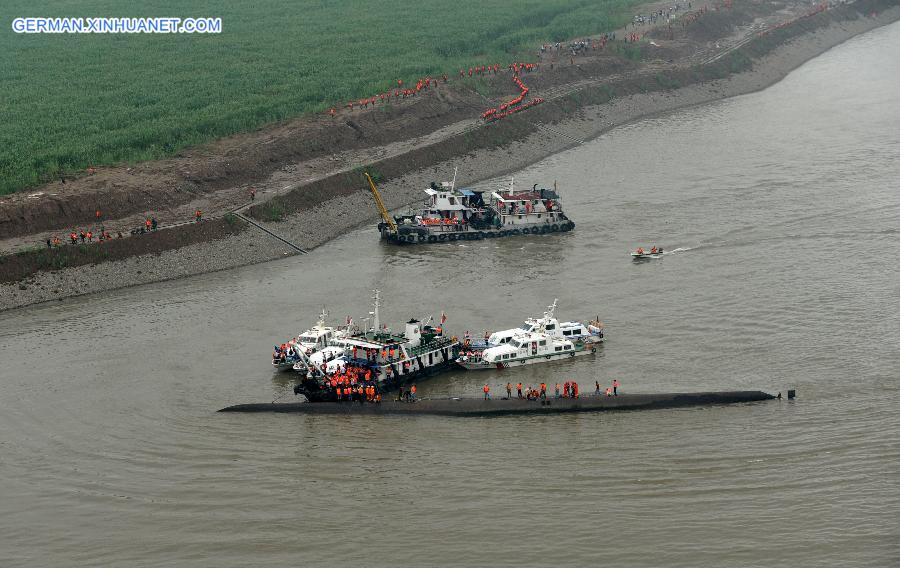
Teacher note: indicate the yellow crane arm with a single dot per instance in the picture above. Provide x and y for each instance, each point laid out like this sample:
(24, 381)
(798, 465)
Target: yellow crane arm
(381, 208)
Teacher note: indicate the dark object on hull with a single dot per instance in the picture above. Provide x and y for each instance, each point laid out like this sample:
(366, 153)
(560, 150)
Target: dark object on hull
(792, 394)
(498, 407)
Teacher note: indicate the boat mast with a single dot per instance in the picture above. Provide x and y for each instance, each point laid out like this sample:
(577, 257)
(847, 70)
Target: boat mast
(453, 183)
(375, 319)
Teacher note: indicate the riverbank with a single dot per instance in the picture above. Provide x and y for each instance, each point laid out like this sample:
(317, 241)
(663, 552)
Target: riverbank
(577, 114)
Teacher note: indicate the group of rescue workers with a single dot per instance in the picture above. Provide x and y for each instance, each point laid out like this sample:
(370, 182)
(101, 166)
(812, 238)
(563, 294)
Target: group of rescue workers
(569, 390)
(83, 236)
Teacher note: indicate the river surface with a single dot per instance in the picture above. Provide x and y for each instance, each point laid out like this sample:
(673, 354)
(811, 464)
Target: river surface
(782, 211)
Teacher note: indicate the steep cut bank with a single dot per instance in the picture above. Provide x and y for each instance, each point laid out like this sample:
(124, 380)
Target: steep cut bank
(579, 111)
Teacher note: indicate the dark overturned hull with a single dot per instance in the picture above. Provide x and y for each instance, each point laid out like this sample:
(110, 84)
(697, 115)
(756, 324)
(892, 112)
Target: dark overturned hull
(424, 235)
(500, 407)
(313, 390)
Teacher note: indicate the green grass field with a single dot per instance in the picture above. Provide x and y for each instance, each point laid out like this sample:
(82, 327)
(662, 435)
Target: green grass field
(71, 100)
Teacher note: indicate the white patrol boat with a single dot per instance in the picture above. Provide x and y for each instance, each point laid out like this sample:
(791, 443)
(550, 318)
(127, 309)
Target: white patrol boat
(538, 340)
(452, 214)
(573, 330)
(393, 360)
(292, 355)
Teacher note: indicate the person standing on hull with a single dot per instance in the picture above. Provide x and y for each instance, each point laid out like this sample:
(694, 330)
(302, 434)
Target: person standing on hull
(509, 391)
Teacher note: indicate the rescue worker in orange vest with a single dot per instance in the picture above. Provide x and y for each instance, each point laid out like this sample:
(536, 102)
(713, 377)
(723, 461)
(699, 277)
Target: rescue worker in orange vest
(74, 237)
(198, 215)
(519, 389)
(574, 389)
(90, 236)
(509, 390)
(566, 389)
(487, 392)
(544, 390)
(412, 392)
(640, 250)
(616, 387)
(147, 224)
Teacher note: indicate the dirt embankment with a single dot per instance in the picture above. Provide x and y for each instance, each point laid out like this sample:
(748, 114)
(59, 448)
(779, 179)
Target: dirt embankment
(307, 171)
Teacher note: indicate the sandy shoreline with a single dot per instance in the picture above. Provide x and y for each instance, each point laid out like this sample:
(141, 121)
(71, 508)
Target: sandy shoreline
(335, 217)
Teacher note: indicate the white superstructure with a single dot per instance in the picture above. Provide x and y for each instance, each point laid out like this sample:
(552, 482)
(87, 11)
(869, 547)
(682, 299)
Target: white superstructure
(538, 340)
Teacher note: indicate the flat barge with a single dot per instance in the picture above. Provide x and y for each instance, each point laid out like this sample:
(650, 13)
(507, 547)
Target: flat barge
(505, 406)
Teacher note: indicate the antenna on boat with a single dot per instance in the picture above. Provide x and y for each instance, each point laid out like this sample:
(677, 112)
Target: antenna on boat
(322, 317)
(554, 188)
(512, 181)
(376, 304)
(453, 183)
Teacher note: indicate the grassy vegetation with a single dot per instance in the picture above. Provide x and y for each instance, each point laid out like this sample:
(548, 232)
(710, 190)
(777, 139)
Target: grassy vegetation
(71, 100)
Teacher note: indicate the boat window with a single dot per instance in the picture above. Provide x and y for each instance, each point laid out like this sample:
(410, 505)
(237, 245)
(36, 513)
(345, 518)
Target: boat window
(567, 332)
(551, 326)
(525, 326)
(558, 348)
(543, 342)
(568, 347)
(452, 201)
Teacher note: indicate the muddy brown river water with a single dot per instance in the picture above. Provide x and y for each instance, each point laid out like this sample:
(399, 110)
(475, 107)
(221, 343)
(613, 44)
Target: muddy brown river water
(783, 209)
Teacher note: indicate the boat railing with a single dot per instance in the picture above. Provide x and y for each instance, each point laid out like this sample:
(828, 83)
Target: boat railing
(438, 343)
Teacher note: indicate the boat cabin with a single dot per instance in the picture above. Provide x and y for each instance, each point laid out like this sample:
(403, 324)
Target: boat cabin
(528, 207)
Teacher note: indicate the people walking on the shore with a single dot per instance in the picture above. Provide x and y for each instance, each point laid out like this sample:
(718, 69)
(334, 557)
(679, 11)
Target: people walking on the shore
(412, 392)
(616, 387)
(253, 192)
(608, 391)
(519, 389)
(198, 215)
(597, 388)
(509, 390)
(487, 392)
(557, 390)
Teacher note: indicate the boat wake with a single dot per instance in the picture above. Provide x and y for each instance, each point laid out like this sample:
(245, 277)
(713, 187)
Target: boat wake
(679, 249)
